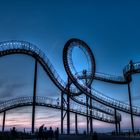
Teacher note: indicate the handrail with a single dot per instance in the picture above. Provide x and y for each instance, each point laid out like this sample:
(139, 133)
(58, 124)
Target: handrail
(52, 102)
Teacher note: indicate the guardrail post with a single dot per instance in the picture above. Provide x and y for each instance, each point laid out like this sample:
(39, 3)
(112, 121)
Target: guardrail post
(34, 96)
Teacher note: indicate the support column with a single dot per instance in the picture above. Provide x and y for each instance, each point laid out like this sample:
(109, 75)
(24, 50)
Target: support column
(76, 129)
(34, 96)
(130, 103)
(62, 108)
(68, 107)
(91, 126)
(116, 121)
(68, 114)
(119, 127)
(87, 101)
(87, 115)
(3, 125)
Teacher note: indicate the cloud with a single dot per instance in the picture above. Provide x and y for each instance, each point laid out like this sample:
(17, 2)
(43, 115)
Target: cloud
(9, 89)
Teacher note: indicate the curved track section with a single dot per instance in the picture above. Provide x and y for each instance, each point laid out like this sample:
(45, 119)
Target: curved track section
(53, 103)
(97, 106)
(103, 77)
(94, 94)
(22, 47)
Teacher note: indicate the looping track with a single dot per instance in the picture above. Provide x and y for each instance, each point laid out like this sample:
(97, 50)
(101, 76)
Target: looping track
(94, 94)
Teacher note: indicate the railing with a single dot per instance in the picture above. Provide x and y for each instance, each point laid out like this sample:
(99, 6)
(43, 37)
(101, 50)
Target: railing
(98, 106)
(45, 101)
(108, 100)
(101, 76)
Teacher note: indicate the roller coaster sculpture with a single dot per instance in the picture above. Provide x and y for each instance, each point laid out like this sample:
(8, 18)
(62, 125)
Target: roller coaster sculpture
(96, 106)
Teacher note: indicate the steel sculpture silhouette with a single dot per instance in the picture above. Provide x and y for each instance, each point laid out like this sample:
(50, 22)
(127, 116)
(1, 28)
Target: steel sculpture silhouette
(106, 106)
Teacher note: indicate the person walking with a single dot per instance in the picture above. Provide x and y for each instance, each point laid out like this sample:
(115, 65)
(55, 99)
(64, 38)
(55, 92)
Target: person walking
(56, 133)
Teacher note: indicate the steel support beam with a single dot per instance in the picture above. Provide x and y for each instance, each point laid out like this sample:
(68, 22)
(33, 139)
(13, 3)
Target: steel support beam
(67, 102)
(34, 96)
(131, 110)
(119, 127)
(87, 102)
(76, 128)
(68, 114)
(87, 98)
(3, 124)
(62, 109)
(116, 121)
(91, 125)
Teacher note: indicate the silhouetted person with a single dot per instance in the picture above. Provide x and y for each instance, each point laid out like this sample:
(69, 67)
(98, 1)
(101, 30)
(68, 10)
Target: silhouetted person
(41, 132)
(50, 133)
(94, 136)
(14, 132)
(56, 133)
(84, 72)
(58, 101)
(24, 131)
(45, 133)
(131, 65)
(84, 132)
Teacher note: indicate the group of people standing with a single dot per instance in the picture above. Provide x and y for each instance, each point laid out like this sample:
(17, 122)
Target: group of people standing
(44, 133)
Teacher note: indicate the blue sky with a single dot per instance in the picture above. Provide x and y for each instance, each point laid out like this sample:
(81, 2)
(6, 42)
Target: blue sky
(111, 28)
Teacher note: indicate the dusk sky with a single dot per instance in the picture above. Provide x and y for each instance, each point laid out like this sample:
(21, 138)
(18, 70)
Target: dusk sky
(111, 28)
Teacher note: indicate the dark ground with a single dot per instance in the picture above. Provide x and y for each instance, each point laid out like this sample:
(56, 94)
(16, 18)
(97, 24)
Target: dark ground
(75, 137)
(100, 137)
